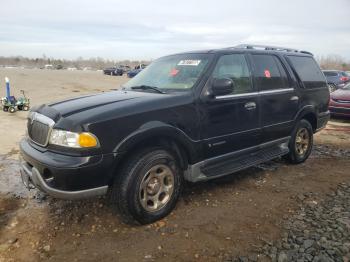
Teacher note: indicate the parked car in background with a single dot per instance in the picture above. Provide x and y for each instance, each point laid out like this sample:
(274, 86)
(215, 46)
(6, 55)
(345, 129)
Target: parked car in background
(137, 70)
(118, 70)
(336, 79)
(339, 103)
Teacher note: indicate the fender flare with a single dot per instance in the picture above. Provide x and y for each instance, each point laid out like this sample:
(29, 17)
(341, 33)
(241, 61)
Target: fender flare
(156, 129)
(308, 109)
(305, 110)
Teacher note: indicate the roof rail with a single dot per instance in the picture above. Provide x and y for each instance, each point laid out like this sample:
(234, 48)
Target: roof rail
(265, 47)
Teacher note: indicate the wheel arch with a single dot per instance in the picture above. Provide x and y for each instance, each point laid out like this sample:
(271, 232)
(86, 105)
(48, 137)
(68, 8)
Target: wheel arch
(308, 113)
(158, 134)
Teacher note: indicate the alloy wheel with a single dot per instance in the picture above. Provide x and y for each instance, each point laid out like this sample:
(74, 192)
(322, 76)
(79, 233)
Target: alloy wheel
(302, 141)
(156, 188)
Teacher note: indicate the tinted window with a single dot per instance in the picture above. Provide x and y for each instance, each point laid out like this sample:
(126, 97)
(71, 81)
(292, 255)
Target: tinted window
(236, 68)
(269, 72)
(308, 71)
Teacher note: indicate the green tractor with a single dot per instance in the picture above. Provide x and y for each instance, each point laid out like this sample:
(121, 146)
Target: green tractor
(11, 104)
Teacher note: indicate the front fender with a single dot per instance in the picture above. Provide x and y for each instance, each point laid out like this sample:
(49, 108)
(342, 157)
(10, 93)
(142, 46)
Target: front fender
(157, 129)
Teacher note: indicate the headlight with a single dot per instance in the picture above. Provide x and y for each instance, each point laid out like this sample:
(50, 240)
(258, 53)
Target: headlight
(72, 139)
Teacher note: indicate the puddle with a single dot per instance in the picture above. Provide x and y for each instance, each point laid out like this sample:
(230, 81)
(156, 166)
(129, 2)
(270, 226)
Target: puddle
(10, 178)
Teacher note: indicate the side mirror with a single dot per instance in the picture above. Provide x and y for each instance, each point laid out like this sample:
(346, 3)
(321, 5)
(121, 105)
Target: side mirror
(222, 86)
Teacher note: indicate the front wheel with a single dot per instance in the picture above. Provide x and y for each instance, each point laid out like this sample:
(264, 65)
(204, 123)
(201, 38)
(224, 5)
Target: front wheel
(147, 187)
(12, 109)
(300, 145)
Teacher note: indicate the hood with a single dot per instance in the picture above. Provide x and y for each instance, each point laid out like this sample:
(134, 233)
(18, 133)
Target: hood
(78, 113)
(341, 94)
(84, 103)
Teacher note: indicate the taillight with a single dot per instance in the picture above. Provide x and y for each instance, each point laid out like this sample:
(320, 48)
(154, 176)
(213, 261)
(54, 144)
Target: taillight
(344, 78)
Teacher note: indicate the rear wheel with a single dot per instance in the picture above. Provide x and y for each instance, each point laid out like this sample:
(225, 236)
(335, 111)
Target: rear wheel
(300, 145)
(147, 187)
(5, 109)
(25, 108)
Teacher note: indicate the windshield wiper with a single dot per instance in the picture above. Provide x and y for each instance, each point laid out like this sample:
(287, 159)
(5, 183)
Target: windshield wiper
(146, 87)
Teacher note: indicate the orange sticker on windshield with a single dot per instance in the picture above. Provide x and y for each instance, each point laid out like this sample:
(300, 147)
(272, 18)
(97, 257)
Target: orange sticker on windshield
(267, 73)
(174, 72)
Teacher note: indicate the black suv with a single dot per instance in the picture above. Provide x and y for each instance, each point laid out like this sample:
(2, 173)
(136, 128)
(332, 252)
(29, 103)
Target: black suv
(187, 117)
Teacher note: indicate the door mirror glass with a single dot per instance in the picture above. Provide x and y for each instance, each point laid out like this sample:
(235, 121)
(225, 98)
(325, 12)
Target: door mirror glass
(222, 86)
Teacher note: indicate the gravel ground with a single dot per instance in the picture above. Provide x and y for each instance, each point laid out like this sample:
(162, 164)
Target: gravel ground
(319, 231)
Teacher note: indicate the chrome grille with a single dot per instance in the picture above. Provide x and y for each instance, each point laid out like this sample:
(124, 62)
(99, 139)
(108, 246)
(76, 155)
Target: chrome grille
(39, 128)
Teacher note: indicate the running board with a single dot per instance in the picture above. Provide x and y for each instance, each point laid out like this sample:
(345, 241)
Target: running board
(233, 162)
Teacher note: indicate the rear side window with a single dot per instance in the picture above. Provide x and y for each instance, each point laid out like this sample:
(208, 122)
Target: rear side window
(269, 73)
(308, 71)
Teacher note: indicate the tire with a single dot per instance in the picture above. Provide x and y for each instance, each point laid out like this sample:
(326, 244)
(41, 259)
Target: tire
(25, 108)
(301, 142)
(5, 109)
(12, 109)
(137, 189)
(20, 107)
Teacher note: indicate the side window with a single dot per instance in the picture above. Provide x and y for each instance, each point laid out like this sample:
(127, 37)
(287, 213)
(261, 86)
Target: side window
(308, 71)
(269, 73)
(235, 67)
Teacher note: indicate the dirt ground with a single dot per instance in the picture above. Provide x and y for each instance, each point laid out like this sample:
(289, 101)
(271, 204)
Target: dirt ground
(213, 221)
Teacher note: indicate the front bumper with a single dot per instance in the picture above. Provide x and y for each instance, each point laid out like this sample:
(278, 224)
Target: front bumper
(339, 111)
(63, 176)
(32, 178)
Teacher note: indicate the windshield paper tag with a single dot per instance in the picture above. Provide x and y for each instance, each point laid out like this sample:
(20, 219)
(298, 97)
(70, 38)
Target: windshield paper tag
(189, 62)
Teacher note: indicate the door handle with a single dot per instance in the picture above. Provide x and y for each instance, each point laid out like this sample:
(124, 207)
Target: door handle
(250, 105)
(294, 98)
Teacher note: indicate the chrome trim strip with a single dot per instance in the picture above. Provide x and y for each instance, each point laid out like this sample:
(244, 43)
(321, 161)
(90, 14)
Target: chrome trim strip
(276, 91)
(237, 95)
(338, 107)
(341, 101)
(42, 119)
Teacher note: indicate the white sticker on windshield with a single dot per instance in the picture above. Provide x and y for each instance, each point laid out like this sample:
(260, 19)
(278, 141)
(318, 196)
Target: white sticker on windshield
(189, 62)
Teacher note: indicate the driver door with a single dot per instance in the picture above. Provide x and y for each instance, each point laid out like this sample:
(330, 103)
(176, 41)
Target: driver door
(231, 122)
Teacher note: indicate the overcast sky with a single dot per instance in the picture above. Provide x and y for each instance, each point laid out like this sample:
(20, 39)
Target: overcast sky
(149, 29)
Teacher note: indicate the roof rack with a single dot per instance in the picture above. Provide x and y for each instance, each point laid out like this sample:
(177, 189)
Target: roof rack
(273, 48)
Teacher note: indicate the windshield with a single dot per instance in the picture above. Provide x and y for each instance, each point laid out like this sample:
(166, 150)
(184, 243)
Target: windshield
(176, 72)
